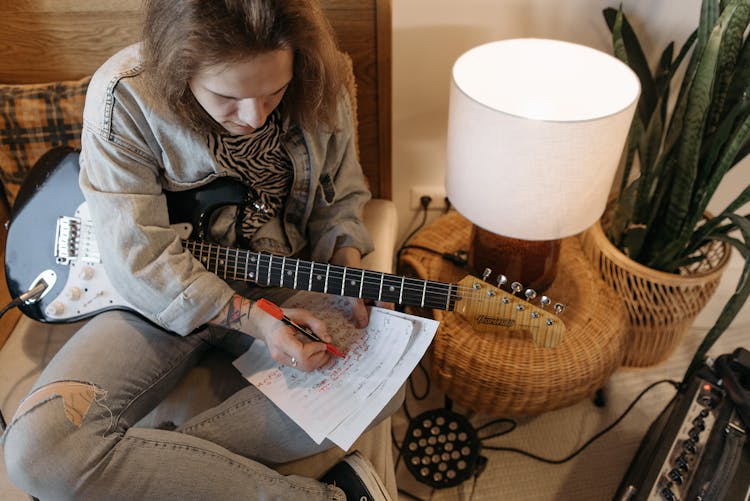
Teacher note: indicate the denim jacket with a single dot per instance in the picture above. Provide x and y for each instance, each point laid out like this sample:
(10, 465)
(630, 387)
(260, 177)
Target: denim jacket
(130, 153)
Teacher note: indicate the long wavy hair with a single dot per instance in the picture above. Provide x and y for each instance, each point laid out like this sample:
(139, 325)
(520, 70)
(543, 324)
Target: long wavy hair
(183, 37)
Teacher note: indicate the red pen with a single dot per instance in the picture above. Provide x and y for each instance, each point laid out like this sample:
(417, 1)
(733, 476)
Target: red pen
(276, 312)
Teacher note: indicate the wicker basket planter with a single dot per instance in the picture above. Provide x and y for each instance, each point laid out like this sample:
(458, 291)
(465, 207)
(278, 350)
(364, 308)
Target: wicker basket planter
(661, 306)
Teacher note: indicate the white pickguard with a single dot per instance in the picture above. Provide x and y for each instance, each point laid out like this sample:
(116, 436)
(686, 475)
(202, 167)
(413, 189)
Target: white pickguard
(88, 289)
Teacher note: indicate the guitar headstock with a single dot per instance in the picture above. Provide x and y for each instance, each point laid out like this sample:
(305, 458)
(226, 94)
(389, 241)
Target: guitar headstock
(490, 308)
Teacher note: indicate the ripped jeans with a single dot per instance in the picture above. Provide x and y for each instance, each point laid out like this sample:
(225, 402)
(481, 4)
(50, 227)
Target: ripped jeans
(73, 436)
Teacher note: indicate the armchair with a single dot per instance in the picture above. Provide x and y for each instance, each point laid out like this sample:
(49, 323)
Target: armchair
(52, 48)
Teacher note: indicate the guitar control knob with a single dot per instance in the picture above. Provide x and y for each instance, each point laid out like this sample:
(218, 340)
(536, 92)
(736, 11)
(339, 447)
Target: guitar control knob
(74, 293)
(55, 309)
(87, 273)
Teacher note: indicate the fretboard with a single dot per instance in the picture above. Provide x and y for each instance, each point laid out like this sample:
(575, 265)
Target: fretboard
(280, 271)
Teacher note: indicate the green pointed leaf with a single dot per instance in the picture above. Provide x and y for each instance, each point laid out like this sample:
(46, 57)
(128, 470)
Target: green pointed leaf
(688, 153)
(733, 306)
(731, 43)
(634, 57)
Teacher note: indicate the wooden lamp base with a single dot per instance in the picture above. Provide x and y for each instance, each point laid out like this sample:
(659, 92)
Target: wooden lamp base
(532, 263)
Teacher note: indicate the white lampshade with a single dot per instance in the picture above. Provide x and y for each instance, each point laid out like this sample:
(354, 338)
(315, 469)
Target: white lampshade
(536, 130)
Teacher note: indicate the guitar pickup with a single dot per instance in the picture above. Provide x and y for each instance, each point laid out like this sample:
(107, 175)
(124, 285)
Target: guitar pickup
(75, 240)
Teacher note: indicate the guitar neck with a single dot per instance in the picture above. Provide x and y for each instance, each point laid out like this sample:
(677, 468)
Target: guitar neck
(280, 271)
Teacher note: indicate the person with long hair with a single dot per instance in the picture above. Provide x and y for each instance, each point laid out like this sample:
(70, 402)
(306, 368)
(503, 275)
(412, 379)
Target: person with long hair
(250, 90)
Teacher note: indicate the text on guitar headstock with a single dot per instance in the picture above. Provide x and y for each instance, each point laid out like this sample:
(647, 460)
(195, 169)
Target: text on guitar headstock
(490, 309)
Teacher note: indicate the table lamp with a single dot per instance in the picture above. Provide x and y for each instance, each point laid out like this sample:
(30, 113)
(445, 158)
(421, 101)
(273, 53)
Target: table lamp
(536, 130)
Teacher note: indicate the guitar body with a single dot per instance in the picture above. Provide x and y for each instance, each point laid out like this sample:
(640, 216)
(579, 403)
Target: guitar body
(50, 191)
(31, 235)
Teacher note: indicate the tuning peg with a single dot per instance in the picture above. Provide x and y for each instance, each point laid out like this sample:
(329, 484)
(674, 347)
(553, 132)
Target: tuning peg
(486, 274)
(530, 294)
(545, 301)
(501, 280)
(559, 308)
(516, 287)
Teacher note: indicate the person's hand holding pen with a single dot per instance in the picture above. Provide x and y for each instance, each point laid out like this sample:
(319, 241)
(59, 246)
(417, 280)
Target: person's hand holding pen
(284, 342)
(297, 338)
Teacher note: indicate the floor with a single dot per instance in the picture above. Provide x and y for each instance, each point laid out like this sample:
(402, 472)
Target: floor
(593, 475)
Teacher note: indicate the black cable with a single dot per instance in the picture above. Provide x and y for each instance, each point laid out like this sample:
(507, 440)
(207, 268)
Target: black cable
(31, 295)
(425, 205)
(512, 426)
(592, 439)
(427, 383)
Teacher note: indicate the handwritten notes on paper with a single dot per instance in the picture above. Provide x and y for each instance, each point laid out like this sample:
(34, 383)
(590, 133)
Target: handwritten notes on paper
(339, 400)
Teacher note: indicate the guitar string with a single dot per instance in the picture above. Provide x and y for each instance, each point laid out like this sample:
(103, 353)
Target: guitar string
(211, 253)
(335, 271)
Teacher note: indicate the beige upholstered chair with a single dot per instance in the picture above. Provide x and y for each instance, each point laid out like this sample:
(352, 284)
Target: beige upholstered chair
(47, 41)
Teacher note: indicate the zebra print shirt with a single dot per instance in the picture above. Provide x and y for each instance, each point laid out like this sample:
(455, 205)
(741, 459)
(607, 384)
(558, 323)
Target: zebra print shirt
(264, 167)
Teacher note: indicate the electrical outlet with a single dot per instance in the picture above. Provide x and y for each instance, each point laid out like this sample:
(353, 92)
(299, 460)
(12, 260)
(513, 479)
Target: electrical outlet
(436, 192)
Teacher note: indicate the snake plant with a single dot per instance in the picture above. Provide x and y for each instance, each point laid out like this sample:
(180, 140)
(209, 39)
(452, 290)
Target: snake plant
(684, 148)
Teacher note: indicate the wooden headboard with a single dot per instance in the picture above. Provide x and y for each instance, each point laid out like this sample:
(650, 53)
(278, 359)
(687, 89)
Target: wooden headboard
(53, 40)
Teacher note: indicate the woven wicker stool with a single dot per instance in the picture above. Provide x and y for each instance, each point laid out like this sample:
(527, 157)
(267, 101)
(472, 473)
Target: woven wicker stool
(505, 374)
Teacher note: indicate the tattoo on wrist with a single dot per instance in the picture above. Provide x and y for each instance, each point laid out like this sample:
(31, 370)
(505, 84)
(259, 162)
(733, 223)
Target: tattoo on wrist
(237, 309)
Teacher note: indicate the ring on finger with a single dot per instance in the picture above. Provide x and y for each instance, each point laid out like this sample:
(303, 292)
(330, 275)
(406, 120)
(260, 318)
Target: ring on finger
(294, 362)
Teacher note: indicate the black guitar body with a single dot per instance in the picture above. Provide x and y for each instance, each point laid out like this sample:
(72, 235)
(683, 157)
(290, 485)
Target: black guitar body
(31, 235)
(30, 245)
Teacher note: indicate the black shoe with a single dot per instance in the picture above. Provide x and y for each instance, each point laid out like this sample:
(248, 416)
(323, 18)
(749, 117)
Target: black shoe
(356, 476)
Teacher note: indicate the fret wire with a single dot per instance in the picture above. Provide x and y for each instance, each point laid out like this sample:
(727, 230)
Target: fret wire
(270, 263)
(401, 292)
(361, 283)
(296, 270)
(218, 258)
(281, 279)
(247, 263)
(328, 269)
(343, 281)
(257, 267)
(380, 292)
(448, 298)
(424, 291)
(236, 254)
(312, 272)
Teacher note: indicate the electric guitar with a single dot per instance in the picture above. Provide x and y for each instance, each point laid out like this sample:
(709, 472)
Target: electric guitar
(51, 245)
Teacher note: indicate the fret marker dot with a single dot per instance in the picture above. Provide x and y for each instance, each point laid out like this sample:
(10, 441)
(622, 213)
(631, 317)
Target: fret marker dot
(353, 282)
(251, 275)
(289, 273)
(318, 277)
(391, 288)
(252, 259)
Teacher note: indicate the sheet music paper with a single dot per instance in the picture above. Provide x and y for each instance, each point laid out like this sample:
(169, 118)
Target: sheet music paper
(339, 400)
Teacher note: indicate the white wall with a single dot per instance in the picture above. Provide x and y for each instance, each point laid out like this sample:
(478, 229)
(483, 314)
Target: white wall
(428, 35)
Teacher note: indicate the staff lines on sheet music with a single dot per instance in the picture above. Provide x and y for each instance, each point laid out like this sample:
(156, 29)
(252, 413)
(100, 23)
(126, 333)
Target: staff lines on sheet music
(408, 284)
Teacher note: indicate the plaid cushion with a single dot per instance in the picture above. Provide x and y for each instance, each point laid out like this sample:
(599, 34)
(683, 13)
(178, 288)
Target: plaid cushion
(33, 119)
